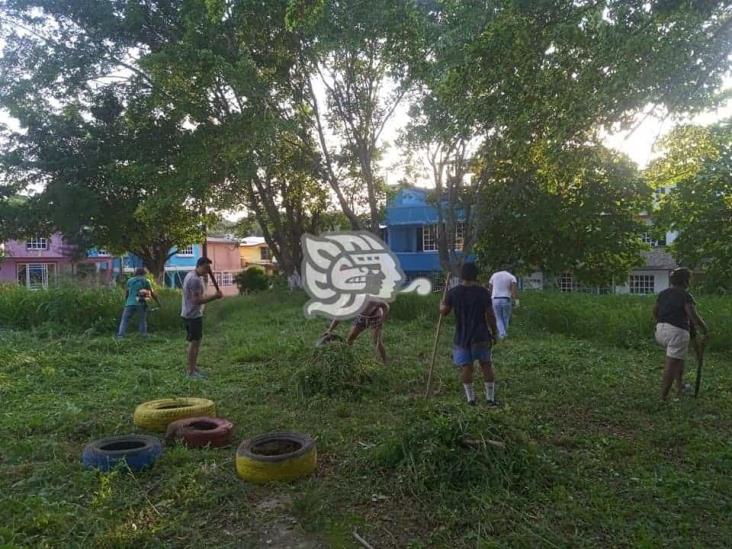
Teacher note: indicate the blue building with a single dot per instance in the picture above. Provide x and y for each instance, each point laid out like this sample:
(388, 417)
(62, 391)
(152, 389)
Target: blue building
(411, 232)
(177, 267)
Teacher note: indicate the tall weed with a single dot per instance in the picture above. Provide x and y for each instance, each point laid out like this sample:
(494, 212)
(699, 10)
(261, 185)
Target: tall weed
(619, 320)
(75, 309)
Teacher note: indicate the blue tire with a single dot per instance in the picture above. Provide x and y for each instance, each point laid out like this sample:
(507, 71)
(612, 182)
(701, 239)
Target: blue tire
(137, 452)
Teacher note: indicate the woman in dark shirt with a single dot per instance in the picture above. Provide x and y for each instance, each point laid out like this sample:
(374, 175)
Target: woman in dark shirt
(676, 317)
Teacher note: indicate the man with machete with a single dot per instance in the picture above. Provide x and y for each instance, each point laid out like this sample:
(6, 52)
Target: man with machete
(473, 339)
(192, 312)
(676, 316)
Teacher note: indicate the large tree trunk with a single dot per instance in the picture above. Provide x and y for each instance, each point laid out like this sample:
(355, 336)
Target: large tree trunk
(154, 257)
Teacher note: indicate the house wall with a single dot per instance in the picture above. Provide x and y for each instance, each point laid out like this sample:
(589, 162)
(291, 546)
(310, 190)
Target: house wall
(403, 239)
(57, 254)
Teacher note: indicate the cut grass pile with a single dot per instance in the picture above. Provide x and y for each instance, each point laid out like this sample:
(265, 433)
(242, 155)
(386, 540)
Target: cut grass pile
(591, 457)
(336, 370)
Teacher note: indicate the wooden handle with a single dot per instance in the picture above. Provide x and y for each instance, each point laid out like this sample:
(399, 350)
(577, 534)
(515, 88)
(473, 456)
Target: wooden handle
(437, 339)
(213, 279)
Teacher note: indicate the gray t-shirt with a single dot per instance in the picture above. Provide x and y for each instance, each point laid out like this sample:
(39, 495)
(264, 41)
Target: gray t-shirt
(192, 285)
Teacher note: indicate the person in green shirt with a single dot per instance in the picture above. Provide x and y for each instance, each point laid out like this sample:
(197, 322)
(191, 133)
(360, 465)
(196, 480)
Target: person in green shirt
(139, 290)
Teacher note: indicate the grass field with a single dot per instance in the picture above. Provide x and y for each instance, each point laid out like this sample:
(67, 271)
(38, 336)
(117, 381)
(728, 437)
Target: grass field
(592, 458)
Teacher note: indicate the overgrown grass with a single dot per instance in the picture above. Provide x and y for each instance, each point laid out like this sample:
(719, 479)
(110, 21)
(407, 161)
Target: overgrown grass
(74, 309)
(586, 455)
(621, 320)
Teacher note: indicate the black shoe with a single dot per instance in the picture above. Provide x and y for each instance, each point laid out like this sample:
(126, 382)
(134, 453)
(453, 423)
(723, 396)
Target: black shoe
(471, 403)
(492, 403)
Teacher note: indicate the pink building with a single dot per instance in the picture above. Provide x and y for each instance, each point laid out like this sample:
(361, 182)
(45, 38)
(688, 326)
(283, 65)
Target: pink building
(39, 262)
(226, 258)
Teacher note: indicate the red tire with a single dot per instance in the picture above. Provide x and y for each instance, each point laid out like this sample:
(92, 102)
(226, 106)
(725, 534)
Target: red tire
(198, 432)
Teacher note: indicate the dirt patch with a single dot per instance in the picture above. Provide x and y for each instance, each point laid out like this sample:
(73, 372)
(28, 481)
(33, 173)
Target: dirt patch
(279, 528)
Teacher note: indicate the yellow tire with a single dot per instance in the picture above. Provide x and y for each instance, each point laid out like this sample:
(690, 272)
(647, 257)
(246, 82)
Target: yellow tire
(276, 457)
(157, 414)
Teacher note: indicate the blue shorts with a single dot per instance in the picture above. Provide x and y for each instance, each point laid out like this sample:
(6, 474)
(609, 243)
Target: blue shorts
(462, 356)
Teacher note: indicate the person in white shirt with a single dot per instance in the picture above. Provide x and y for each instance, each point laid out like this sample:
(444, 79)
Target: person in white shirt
(502, 285)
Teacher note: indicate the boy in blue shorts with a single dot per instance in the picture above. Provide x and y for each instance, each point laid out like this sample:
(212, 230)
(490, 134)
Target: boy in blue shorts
(473, 338)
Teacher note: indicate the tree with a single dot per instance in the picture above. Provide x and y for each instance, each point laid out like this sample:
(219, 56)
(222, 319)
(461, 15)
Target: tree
(549, 76)
(287, 201)
(352, 52)
(212, 77)
(447, 150)
(574, 211)
(113, 180)
(697, 167)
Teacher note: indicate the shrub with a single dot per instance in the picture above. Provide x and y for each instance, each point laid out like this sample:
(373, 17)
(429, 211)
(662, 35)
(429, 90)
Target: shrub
(251, 280)
(335, 370)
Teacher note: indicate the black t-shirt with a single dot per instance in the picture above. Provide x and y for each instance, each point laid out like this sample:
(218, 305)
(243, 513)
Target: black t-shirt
(671, 307)
(471, 304)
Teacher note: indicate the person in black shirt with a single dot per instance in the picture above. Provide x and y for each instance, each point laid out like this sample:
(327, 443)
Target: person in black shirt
(473, 318)
(676, 317)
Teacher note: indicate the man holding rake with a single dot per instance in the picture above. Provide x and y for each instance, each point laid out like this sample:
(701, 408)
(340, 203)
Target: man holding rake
(473, 339)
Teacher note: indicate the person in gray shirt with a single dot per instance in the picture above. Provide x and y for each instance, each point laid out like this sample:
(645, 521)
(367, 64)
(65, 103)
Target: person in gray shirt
(192, 312)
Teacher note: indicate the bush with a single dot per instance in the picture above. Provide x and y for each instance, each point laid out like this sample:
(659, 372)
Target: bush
(450, 448)
(251, 280)
(76, 309)
(335, 370)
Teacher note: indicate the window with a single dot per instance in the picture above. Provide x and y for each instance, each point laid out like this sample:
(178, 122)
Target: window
(642, 284)
(459, 236)
(36, 243)
(648, 239)
(103, 252)
(567, 283)
(36, 276)
(429, 238)
(185, 251)
(224, 279)
(265, 254)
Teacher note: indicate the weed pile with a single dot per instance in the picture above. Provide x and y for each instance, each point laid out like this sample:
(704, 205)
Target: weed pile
(336, 370)
(69, 309)
(448, 449)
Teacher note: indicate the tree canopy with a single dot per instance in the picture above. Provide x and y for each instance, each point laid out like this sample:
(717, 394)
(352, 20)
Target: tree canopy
(145, 117)
(696, 168)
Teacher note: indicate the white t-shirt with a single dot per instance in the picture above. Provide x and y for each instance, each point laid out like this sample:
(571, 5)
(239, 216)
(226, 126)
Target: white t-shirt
(501, 283)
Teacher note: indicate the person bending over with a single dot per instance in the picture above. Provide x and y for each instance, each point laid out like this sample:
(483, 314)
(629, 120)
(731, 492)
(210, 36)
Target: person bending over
(676, 316)
(371, 318)
(473, 338)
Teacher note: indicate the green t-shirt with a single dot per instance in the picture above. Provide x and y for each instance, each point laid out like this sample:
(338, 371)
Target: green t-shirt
(134, 285)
